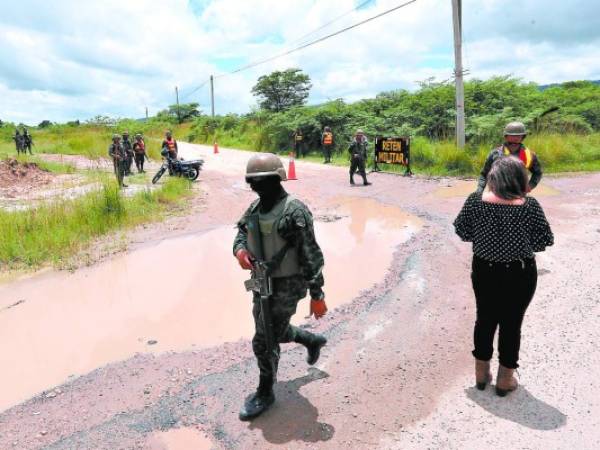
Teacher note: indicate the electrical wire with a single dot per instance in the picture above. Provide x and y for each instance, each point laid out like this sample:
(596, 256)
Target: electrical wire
(316, 41)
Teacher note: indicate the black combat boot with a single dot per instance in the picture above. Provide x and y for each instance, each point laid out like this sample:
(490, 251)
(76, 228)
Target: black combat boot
(365, 182)
(313, 344)
(260, 401)
(352, 180)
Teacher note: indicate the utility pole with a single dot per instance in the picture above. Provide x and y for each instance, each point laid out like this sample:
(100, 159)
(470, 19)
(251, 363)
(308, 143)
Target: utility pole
(177, 98)
(212, 97)
(146, 113)
(458, 73)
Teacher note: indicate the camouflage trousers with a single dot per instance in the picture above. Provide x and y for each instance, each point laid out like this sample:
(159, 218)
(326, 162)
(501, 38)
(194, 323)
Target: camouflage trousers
(282, 310)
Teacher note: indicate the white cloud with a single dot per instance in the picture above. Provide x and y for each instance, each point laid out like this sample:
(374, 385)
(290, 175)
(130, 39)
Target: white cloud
(68, 59)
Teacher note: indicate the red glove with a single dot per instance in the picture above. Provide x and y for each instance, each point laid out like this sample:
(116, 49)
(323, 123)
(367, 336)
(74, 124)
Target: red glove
(244, 258)
(318, 308)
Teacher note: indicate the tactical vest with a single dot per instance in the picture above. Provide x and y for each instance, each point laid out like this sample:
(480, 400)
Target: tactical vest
(274, 244)
(525, 155)
(298, 137)
(327, 138)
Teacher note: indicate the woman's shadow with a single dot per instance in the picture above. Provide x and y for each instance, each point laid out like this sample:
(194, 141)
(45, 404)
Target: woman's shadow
(520, 407)
(293, 417)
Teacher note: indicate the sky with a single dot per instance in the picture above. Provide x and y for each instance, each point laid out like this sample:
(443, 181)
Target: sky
(64, 60)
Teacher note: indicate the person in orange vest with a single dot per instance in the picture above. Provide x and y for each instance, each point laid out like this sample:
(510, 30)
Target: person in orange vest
(327, 143)
(139, 150)
(170, 144)
(514, 134)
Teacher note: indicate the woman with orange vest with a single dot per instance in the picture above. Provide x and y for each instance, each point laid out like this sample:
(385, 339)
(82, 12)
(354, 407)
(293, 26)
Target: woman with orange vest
(327, 143)
(514, 134)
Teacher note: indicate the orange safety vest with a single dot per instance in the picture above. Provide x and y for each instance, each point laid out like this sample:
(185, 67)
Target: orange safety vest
(327, 138)
(525, 155)
(170, 144)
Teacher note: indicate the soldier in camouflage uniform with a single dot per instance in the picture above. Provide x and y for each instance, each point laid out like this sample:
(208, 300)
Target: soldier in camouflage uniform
(358, 154)
(18, 141)
(27, 141)
(119, 157)
(514, 134)
(285, 223)
(128, 147)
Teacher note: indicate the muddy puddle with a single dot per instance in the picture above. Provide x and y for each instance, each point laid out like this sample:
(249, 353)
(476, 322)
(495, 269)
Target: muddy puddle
(462, 188)
(176, 294)
(179, 439)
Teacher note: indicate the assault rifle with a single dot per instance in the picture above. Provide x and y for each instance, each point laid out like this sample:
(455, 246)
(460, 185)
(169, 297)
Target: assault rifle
(261, 283)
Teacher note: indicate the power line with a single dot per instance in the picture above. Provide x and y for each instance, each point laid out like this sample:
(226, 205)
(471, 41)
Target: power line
(301, 38)
(196, 89)
(316, 41)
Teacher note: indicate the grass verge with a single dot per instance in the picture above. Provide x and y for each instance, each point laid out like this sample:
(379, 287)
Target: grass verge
(55, 231)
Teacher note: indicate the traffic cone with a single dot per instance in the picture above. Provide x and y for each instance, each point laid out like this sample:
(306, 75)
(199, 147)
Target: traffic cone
(291, 175)
(215, 148)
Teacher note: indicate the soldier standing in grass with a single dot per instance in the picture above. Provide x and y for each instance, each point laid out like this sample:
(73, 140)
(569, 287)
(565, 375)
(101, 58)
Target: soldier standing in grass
(358, 155)
(514, 134)
(280, 227)
(119, 157)
(139, 150)
(18, 141)
(128, 152)
(327, 143)
(27, 141)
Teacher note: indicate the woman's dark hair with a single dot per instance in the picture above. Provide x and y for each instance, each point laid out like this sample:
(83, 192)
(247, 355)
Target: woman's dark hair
(508, 178)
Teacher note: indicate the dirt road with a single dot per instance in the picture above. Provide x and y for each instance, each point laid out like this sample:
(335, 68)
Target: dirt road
(150, 349)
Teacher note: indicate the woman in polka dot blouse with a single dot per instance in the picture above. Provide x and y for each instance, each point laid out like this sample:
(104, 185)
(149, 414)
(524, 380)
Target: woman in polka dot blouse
(506, 228)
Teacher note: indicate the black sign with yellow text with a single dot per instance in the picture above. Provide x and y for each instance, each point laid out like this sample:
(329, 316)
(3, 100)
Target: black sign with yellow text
(392, 150)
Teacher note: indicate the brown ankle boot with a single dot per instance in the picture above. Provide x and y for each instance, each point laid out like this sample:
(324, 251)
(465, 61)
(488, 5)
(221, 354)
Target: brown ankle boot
(483, 376)
(506, 381)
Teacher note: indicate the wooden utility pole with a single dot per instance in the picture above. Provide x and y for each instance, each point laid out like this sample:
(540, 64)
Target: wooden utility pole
(458, 73)
(146, 113)
(177, 99)
(212, 97)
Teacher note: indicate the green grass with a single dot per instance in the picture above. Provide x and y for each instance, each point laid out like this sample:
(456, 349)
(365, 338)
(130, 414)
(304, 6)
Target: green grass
(55, 231)
(557, 153)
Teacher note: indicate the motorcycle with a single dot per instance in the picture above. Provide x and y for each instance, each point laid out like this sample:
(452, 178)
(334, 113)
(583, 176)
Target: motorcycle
(188, 169)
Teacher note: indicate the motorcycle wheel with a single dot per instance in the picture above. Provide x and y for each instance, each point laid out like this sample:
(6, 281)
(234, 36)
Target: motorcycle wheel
(158, 175)
(192, 173)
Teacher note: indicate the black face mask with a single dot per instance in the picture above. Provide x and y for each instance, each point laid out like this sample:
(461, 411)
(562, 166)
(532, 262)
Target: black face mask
(268, 187)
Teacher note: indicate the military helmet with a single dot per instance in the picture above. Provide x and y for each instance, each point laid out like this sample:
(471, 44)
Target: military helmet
(515, 129)
(263, 165)
(138, 135)
(327, 129)
(125, 133)
(359, 131)
(116, 137)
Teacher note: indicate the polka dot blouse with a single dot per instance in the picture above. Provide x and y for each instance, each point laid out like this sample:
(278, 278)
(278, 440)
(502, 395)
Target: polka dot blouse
(503, 233)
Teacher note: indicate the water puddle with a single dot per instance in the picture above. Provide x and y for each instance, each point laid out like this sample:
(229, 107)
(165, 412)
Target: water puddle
(180, 292)
(179, 439)
(462, 188)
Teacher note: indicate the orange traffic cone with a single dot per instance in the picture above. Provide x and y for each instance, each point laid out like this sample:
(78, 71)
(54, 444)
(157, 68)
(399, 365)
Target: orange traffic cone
(216, 148)
(291, 175)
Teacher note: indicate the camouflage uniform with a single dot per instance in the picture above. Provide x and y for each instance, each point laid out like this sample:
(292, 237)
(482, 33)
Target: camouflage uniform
(18, 141)
(499, 152)
(27, 142)
(128, 148)
(358, 154)
(119, 157)
(296, 227)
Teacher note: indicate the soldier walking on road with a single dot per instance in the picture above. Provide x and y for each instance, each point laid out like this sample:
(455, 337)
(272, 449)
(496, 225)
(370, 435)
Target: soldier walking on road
(327, 143)
(358, 155)
(119, 157)
(139, 150)
(514, 134)
(27, 141)
(276, 240)
(126, 143)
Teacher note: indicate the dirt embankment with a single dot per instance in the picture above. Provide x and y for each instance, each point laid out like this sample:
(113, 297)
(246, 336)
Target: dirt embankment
(19, 177)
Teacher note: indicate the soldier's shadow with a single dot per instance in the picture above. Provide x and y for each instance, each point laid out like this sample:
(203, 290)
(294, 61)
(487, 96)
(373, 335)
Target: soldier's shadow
(293, 417)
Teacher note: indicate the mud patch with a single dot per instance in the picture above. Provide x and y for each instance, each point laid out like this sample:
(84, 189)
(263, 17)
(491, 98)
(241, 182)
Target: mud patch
(179, 439)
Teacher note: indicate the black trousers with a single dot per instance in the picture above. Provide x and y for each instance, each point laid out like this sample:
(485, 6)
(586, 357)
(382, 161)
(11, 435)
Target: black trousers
(358, 165)
(327, 149)
(139, 161)
(503, 292)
